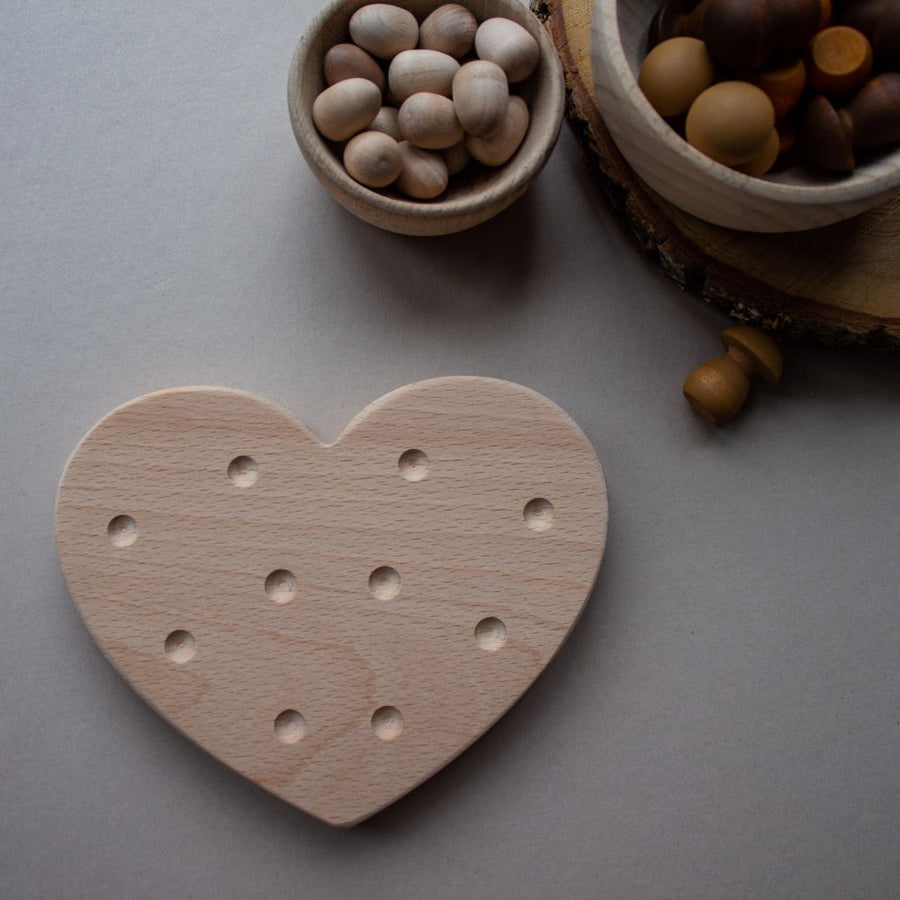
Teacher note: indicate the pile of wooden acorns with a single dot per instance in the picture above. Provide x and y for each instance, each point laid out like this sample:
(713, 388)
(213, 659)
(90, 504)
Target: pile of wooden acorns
(414, 104)
(745, 80)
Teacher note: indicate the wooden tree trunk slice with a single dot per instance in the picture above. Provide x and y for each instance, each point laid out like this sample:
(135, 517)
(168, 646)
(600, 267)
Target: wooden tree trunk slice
(838, 285)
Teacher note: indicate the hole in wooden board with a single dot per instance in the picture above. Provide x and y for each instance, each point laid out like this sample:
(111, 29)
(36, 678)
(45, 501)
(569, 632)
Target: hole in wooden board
(384, 583)
(122, 531)
(490, 634)
(387, 722)
(180, 646)
(413, 465)
(290, 726)
(281, 586)
(243, 471)
(539, 514)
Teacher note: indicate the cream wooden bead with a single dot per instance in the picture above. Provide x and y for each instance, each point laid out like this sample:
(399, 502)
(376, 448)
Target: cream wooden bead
(345, 108)
(386, 122)
(450, 28)
(480, 95)
(413, 71)
(384, 29)
(424, 174)
(499, 147)
(373, 159)
(429, 121)
(343, 61)
(509, 45)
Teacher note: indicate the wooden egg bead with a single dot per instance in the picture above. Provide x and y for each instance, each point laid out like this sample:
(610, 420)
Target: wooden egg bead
(424, 174)
(825, 139)
(872, 116)
(508, 44)
(384, 29)
(675, 73)
(783, 84)
(730, 122)
(343, 61)
(345, 108)
(421, 70)
(429, 121)
(480, 95)
(456, 157)
(373, 159)
(385, 121)
(764, 159)
(499, 147)
(450, 29)
(840, 61)
(718, 389)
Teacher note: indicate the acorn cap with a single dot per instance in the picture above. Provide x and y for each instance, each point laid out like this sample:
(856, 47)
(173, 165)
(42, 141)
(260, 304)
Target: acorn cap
(759, 347)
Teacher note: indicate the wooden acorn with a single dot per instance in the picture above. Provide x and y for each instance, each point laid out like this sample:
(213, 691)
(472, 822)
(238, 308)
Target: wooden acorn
(743, 34)
(783, 83)
(879, 21)
(870, 119)
(719, 388)
(669, 21)
(840, 61)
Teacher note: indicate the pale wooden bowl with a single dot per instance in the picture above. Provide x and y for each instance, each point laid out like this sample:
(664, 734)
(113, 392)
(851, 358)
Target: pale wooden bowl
(477, 193)
(792, 200)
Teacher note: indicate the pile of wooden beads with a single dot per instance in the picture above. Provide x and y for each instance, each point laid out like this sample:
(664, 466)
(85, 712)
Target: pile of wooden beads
(750, 77)
(415, 103)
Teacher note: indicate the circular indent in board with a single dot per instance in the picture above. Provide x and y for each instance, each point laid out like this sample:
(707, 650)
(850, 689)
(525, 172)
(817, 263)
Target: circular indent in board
(122, 531)
(180, 646)
(281, 586)
(413, 465)
(243, 471)
(539, 514)
(490, 634)
(384, 583)
(290, 726)
(387, 722)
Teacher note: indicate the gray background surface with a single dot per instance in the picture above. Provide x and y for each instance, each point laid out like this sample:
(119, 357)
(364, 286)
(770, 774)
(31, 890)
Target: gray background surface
(724, 722)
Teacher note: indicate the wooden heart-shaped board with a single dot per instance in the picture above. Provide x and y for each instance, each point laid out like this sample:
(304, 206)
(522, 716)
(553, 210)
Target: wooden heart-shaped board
(335, 622)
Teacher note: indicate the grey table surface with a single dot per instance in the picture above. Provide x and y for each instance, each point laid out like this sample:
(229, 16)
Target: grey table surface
(724, 721)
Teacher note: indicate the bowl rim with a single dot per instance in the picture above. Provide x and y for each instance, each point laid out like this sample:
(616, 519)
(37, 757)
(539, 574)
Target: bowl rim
(513, 178)
(858, 186)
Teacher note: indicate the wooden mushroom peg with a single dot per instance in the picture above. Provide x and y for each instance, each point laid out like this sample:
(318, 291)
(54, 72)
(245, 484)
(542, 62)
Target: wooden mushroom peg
(718, 389)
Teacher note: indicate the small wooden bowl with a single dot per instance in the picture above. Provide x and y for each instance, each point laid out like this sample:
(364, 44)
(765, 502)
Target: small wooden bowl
(477, 193)
(791, 200)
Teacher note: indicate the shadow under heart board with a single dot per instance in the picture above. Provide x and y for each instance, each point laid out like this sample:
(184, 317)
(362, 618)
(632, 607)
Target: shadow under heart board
(335, 622)
(836, 285)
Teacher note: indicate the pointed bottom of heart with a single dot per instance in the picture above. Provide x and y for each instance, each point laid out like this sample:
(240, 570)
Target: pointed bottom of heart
(335, 622)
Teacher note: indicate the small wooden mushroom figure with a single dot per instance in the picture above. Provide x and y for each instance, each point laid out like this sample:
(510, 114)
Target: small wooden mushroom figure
(718, 388)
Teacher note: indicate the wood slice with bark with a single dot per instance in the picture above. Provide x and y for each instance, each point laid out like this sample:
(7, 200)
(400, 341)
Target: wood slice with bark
(838, 285)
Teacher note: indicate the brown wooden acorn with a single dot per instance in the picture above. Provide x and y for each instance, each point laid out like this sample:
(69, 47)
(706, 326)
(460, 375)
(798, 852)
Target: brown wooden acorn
(870, 119)
(783, 83)
(668, 21)
(718, 389)
(839, 60)
(743, 34)
(879, 21)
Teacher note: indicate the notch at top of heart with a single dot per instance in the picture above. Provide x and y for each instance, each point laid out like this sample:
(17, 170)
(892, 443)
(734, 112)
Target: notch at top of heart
(335, 622)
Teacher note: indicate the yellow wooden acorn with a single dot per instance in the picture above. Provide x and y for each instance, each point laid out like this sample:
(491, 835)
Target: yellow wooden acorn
(719, 388)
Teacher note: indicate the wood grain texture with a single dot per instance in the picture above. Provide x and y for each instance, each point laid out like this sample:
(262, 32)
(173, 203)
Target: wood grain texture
(474, 196)
(334, 622)
(836, 285)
